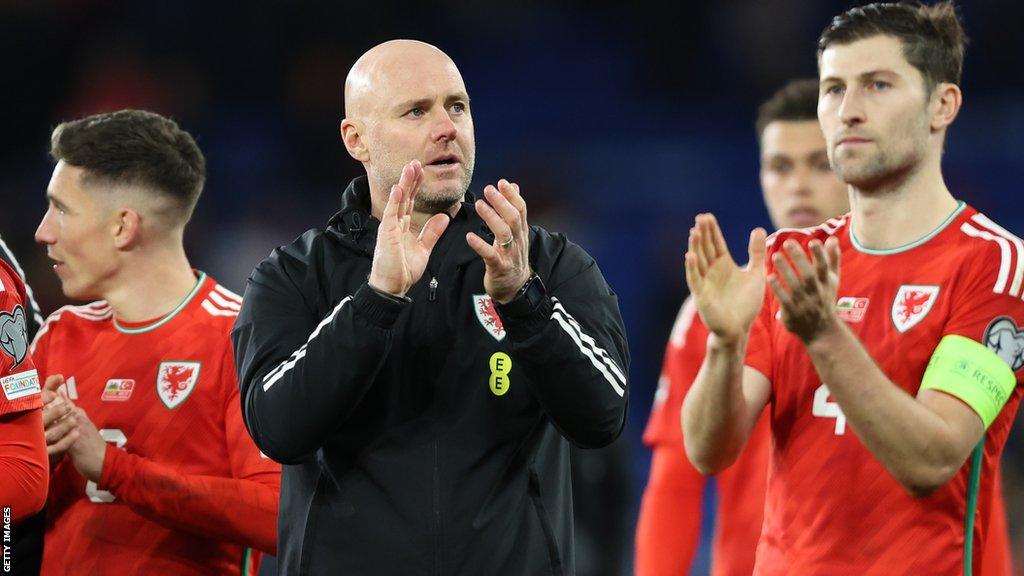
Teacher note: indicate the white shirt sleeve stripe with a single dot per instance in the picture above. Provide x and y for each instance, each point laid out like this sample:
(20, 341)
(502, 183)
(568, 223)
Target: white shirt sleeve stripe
(276, 374)
(223, 302)
(53, 317)
(213, 310)
(81, 311)
(227, 293)
(1018, 272)
(1004, 247)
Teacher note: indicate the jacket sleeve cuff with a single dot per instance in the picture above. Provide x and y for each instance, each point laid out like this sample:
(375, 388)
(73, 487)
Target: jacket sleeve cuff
(521, 319)
(377, 308)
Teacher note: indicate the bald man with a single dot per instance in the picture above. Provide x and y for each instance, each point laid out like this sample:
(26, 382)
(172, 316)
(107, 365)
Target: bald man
(419, 365)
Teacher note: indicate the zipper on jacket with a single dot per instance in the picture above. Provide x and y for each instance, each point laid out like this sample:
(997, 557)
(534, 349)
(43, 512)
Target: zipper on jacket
(432, 295)
(438, 540)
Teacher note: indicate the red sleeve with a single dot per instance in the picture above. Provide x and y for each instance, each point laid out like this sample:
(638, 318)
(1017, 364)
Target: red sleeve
(23, 464)
(242, 509)
(24, 471)
(246, 459)
(668, 528)
(684, 354)
(229, 509)
(18, 378)
(977, 310)
(656, 430)
(985, 307)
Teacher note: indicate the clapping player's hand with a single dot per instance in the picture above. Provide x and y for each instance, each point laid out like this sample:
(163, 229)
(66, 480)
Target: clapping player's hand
(401, 254)
(807, 293)
(59, 420)
(507, 258)
(88, 452)
(728, 297)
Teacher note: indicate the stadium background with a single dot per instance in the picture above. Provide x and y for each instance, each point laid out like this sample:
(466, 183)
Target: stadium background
(619, 123)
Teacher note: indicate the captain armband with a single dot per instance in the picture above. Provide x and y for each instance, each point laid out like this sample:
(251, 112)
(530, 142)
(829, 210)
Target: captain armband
(970, 371)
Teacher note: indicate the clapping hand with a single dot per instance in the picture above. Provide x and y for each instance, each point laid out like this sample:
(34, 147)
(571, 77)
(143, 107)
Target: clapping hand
(728, 297)
(808, 295)
(401, 254)
(507, 258)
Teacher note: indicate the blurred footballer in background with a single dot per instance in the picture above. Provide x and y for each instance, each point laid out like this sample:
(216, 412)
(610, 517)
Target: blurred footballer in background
(800, 190)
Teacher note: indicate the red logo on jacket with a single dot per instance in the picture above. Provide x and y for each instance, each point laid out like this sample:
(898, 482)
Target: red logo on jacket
(488, 316)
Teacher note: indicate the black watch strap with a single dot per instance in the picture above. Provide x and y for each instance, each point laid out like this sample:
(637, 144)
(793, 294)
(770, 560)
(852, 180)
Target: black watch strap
(533, 291)
(530, 298)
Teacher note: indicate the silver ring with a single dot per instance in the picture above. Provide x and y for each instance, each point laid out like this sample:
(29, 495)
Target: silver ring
(507, 243)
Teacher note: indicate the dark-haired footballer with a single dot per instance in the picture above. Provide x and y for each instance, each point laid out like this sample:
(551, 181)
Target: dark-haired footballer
(888, 342)
(153, 471)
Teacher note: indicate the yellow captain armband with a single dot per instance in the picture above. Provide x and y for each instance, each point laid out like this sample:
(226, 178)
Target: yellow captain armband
(970, 371)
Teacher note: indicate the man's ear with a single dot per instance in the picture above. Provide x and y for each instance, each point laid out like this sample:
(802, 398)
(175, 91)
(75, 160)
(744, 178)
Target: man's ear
(945, 105)
(351, 135)
(126, 228)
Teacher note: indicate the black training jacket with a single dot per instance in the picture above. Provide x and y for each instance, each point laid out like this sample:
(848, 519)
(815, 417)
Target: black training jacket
(417, 437)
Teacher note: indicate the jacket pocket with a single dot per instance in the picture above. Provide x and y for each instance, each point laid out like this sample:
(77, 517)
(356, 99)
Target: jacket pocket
(551, 543)
(310, 530)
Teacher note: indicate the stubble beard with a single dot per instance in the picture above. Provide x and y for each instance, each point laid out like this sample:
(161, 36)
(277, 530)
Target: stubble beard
(447, 194)
(388, 171)
(885, 169)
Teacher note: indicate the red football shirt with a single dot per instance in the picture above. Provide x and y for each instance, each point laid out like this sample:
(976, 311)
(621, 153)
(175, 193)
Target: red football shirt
(23, 462)
(184, 490)
(670, 515)
(18, 377)
(831, 507)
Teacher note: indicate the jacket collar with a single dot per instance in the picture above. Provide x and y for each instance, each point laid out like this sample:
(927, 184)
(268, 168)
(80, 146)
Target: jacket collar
(354, 226)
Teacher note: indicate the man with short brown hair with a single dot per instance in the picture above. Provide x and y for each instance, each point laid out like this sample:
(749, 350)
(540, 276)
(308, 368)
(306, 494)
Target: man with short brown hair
(153, 472)
(893, 384)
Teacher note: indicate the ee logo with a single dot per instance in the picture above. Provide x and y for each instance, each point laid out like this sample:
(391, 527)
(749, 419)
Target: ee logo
(501, 365)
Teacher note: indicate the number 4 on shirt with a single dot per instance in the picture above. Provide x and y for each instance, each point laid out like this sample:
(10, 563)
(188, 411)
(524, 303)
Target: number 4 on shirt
(824, 408)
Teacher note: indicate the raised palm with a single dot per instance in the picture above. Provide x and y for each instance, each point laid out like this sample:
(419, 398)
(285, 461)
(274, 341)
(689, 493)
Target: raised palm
(728, 297)
(401, 254)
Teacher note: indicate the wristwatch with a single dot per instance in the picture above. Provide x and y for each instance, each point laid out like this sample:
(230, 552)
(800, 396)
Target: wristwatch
(526, 314)
(533, 292)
